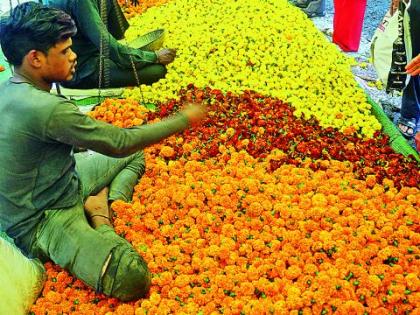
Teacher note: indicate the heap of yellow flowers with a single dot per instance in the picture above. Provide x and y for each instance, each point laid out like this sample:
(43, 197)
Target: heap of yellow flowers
(267, 46)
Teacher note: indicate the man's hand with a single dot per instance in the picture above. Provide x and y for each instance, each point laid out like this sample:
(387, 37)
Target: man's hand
(195, 113)
(165, 56)
(413, 67)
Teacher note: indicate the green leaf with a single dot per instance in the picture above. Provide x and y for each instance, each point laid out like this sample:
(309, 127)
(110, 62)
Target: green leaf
(349, 276)
(150, 106)
(142, 247)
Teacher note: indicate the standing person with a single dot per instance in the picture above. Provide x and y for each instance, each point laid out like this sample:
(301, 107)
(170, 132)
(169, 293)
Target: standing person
(87, 42)
(410, 110)
(53, 203)
(348, 23)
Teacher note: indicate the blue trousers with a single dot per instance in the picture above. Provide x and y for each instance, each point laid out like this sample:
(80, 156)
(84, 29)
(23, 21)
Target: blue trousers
(410, 107)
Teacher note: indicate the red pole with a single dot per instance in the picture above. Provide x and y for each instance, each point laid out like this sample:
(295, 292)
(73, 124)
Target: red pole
(348, 23)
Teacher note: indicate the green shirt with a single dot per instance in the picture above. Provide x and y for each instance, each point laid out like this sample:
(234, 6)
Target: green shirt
(87, 41)
(37, 167)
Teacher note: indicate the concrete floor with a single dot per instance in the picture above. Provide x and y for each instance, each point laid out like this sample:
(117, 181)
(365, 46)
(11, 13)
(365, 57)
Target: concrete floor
(375, 11)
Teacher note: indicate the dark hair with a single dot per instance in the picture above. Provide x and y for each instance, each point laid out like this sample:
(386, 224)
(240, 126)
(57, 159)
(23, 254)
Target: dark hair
(33, 26)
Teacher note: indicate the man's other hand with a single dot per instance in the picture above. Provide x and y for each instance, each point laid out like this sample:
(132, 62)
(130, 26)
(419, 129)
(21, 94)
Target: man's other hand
(195, 112)
(413, 67)
(165, 56)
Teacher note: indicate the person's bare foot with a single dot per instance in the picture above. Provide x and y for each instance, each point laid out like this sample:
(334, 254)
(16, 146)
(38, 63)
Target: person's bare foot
(97, 210)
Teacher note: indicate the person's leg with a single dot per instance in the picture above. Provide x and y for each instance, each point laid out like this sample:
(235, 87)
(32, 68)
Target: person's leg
(410, 107)
(315, 8)
(410, 111)
(146, 75)
(311, 7)
(414, 13)
(127, 276)
(98, 257)
(348, 23)
(97, 171)
(121, 77)
(117, 23)
(336, 15)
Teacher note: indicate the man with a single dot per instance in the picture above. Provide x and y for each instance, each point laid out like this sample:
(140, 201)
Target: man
(46, 191)
(150, 66)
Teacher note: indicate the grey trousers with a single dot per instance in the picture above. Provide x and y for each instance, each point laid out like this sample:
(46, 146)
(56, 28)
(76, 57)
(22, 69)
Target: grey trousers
(65, 236)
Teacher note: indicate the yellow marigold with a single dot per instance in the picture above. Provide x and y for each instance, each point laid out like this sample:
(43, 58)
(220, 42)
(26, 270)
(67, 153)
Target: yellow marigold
(325, 236)
(166, 151)
(230, 132)
(125, 309)
(53, 297)
(413, 281)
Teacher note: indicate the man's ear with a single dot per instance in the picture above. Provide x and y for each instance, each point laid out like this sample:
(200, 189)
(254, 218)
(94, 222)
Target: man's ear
(35, 58)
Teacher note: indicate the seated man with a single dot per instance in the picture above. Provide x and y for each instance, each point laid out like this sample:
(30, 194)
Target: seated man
(53, 203)
(87, 42)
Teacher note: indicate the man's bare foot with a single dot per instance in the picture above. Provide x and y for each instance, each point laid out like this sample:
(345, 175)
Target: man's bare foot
(97, 210)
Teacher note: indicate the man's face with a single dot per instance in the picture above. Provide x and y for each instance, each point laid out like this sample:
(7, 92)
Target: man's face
(60, 62)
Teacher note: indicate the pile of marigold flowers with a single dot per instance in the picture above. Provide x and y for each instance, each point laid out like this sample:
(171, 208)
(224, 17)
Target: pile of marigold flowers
(229, 228)
(260, 124)
(124, 113)
(294, 241)
(283, 56)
